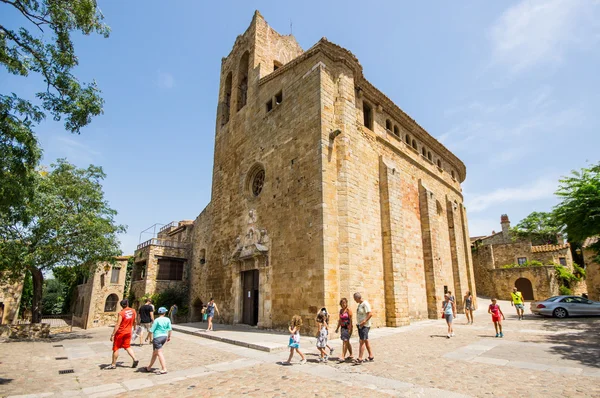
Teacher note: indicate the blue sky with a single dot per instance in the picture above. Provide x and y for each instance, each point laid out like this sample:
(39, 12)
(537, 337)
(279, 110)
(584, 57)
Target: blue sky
(510, 87)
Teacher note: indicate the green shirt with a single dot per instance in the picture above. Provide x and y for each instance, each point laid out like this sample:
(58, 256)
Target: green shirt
(161, 327)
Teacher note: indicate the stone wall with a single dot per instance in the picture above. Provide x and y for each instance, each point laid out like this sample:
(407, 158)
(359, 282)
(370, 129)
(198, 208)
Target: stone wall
(10, 299)
(592, 270)
(26, 331)
(543, 280)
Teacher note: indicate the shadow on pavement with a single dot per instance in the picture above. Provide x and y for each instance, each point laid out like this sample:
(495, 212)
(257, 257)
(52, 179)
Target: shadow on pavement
(4, 381)
(579, 340)
(52, 339)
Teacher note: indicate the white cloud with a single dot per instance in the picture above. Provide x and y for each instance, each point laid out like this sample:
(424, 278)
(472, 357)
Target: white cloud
(73, 149)
(543, 188)
(541, 32)
(165, 80)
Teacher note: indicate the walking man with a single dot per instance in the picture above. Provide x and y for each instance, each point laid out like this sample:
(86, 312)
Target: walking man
(516, 299)
(363, 315)
(121, 335)
(146, 313)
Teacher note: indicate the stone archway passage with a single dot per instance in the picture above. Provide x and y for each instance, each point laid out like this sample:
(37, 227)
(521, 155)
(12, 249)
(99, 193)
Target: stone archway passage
(524, 286)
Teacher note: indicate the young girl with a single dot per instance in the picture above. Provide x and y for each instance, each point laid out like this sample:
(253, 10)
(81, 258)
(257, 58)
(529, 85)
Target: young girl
(294, 344)
(469, 307)
(496, 312)
(345, 323)
(449, 311)
(322, 333)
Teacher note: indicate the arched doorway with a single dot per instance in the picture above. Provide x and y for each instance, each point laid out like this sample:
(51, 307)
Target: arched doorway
(524, 286)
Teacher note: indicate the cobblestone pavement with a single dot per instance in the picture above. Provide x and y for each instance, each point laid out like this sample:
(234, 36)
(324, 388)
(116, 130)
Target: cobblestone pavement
(537, 357)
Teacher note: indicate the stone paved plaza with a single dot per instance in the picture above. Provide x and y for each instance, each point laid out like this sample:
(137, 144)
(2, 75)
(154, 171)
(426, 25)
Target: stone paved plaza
(537, 357)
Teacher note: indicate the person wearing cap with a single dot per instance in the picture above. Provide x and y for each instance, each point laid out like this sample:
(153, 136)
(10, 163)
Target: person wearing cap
(516, 299)
(121, 335)
(161, 333)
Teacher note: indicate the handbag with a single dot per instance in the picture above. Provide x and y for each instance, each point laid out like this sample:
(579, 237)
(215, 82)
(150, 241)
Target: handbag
(443, 315)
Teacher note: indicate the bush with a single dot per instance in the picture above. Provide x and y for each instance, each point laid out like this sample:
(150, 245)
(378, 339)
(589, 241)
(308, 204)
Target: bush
(169, 297)
(565, 291)
(578, 270)
(526, 264)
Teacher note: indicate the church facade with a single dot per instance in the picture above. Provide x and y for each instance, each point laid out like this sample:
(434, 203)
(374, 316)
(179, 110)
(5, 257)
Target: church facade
(323, 187)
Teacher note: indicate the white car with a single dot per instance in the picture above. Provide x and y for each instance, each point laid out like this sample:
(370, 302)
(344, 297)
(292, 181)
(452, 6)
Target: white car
(564, 306)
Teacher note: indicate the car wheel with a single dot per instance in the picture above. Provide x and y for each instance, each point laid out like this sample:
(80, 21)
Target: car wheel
(560, 313)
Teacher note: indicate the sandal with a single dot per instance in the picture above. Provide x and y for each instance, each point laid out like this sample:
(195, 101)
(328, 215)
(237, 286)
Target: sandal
(371, 359)
(358, 361)
(160, 372)
(111, 367)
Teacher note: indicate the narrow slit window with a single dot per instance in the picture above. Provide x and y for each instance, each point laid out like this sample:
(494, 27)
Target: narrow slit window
(279, 98)
(439, 163)
(269, 105)
(429, 155)
(226, 100)
(388, 125)
(414, 144)
(452, 173)
(242, 86)
(424, 151)
(396, 131)
(367, 116)
(407, 139)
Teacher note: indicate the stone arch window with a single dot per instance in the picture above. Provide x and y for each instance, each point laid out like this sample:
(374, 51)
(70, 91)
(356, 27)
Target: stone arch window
(255, 181)
(242, 81)
(439, 163)
(111, 303)
(429, 157)
(453, 175)
(367, 115)
(226, 100)
(388, 124)
(276, 65)
(407, 139)
(396, 131)
(203, 256)
(424, 152)
(414, 144)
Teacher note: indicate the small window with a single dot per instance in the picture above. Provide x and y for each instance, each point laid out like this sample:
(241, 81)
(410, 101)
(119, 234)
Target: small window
(170, 269)
(102, 280)
(139, 271)
(452, 173)
(424, 151)
(414, 144)
(367, 116)
(439, 163)
(270, 105)
(407, 139)
(429, 156)
(563, 261)
(388, 124)
(279, 98)
(396, 131)
(111, 303)
(521, 260)
(203, 256)
(276, 65)
(114, 276)
(258, 181)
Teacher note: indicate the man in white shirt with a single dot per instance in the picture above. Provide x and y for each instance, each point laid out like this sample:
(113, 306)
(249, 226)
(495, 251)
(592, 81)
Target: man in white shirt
(363, 314)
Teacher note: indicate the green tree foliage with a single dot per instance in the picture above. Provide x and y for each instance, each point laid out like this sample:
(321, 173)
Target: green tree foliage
(70, 277)
(46, 50)
(53, 297)
(26, 294)
(68, 223)
(579, 210)
(540, 227)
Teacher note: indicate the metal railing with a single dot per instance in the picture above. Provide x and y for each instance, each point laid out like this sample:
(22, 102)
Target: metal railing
(55, 321)
(162, 242)
(172, 224)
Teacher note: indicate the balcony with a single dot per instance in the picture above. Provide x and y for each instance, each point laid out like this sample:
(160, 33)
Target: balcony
(163, 243)
(171, 225)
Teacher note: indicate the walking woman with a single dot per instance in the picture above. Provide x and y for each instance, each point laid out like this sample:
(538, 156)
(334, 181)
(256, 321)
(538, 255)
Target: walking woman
(469, 307)
(449, 313)
(210, 312)
(345, 324)
(161, 334)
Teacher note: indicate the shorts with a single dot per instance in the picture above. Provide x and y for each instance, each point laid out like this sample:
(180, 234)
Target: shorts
(448, 318)
(158, 342)
(496, 318)
(293, 344)
(363, 333)
(520, 306)
(146, 326)
(345, 334)
(121, 340)
(469, 307)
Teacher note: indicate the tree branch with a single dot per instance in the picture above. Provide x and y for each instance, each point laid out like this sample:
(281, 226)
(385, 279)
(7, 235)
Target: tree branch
(32, 18)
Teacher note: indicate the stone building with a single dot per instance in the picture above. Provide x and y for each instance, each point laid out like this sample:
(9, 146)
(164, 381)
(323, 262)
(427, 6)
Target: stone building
(10, 299)
(98, 297)
(322, 187)
(493, 256)
(162, 263)
(592, 268)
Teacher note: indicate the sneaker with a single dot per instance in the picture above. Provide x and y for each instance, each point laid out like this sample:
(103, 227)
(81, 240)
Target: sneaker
(135, 363)
(497, 334)
(320, 359)
(452, 334)
(326, 358)
(501, 334)
(302, 362)
(448, 335)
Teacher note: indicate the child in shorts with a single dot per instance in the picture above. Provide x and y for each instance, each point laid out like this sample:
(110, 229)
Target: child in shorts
(323, 334)
(497, 317)
(294, 343)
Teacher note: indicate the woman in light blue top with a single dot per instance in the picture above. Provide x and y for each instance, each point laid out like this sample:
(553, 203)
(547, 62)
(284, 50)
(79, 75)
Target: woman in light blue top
(160, 333)
(449, 313)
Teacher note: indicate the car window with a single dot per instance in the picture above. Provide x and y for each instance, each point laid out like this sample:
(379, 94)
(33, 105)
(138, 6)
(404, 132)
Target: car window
(553, 298)
(574, 300)
(566, 300)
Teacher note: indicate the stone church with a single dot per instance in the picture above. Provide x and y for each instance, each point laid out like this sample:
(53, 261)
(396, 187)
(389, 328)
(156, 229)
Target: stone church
(322, 187)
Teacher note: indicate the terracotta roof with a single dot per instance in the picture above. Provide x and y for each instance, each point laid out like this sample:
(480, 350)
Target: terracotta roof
(590, 241)
(549, 248)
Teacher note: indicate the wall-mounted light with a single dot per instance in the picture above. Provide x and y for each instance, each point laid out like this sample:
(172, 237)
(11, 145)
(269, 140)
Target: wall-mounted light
(334, 134)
